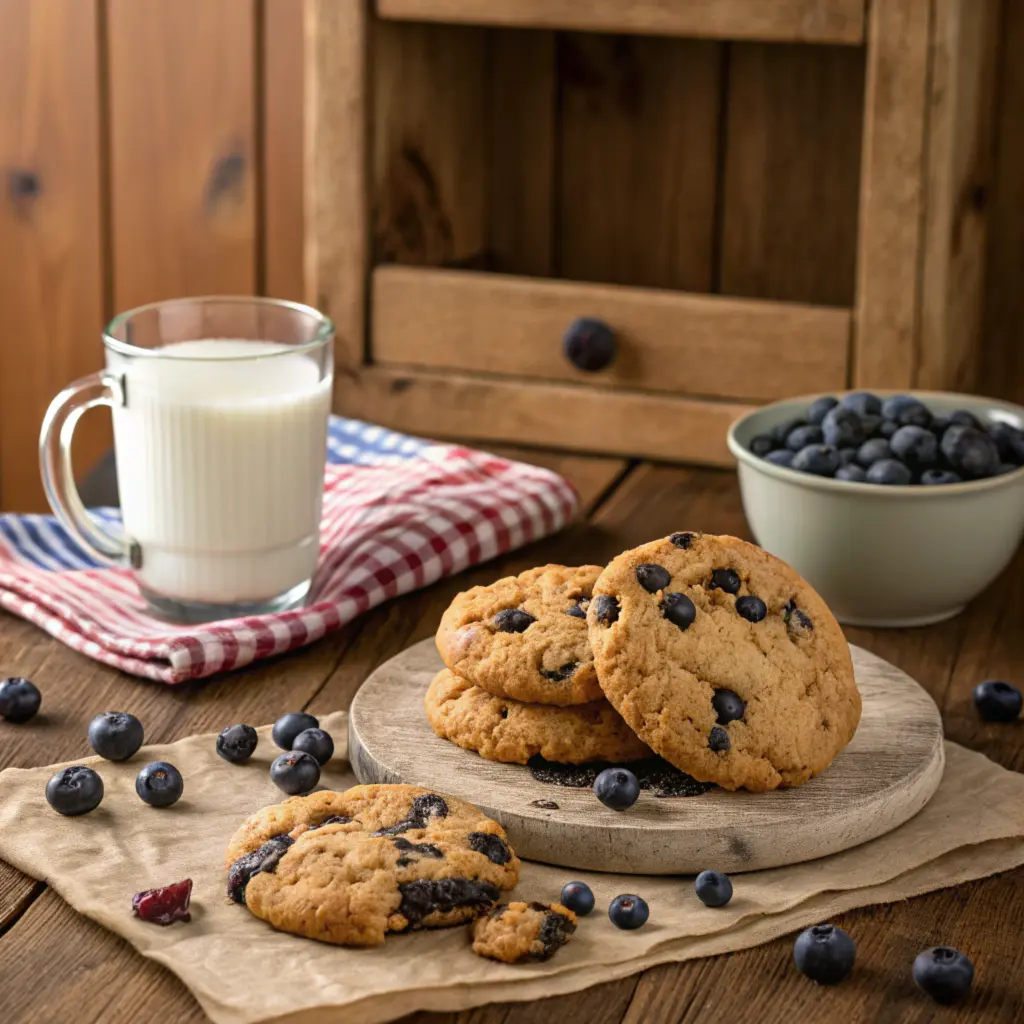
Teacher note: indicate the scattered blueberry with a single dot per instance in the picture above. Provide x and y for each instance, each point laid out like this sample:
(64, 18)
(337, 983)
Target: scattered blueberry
(628, 912)
(803, 436)
(780, 457)
(287, 727)
(718, 740)
(729, 706)
(971, 453)
(842, 428)
(937, 477)
(863, 403)
(159, 784)
(819, 459)
(315, 742)
(889, 472)
(997, 701)
(115, 735)
(906, 411)
(847, 456)
(606, 609)
(820, 407)
(74, 790)
(751, 608)
(725, 579)
(653, 577)
(824, 953)
(577, 897)
(762, 445)
(617, 788)
(917, 447)
(295, 772)
(679, 610)
(19, 699)
(943, 973)
(589, 344)
(874, 451)
(237, 743)
(512, 620)
(165, 905)
(714, 889)
(853, 474)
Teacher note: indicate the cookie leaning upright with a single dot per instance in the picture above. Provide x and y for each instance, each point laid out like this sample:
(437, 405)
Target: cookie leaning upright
(525, 636)
(724, 660)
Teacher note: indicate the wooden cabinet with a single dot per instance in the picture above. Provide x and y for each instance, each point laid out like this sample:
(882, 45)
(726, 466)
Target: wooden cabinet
(758, 197)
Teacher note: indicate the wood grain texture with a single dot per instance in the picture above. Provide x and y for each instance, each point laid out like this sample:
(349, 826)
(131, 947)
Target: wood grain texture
(958, 176)
(481, 408)
(282, 146)
(885, 350)
(666, 341)
(337, 185)
(182, 148)
(637, 164)
(791, 173)
(53, 271)
(883, 778)
(821, 21)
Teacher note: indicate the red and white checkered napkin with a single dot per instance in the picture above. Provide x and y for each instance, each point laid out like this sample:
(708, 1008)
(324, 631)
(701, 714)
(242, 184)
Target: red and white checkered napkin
(387, 529)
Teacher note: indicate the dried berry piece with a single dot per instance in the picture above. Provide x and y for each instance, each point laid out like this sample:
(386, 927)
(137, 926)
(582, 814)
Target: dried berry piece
(165, 905)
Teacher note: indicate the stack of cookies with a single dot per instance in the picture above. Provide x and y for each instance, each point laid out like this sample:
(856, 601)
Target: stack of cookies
(706, 650)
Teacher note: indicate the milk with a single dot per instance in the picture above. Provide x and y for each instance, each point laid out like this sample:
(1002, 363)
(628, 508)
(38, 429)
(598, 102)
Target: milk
(220, 466)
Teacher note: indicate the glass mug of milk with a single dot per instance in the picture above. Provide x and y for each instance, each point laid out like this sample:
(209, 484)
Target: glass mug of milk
(220, 409)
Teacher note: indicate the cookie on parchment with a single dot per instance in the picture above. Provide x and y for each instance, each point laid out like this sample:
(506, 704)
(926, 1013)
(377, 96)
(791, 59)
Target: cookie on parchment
(525, 636)
(517, 933)
(724, 660)
(507, 730)
(350, 867)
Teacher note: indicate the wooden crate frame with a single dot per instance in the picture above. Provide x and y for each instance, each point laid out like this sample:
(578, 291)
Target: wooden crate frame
(920, 245)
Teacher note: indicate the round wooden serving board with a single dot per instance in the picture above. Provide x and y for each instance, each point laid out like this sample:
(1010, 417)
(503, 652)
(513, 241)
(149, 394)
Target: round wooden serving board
(883, 778)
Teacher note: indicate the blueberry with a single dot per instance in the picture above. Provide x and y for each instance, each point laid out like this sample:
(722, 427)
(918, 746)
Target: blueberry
(725, 579)
(906, 411)
(683, 539)
(679, 610)
(997, 701)
(729, 706)
(780, 457)
(74, 790)
(628, 912)
(751, 608)
(652, 577)
(577, 897)
(863, 403)
(115, 735)
(889, 472)
(513, 620)
(873, 451)
(852, 474)
(971, 453)
(871, 423)
(1010, 442)
(944, 974)
(824, 953)
(315, 742)
(237, 743)
(887, 428)
(917, 447)
(617, 788)
(159, 784)
(762, 445)
(714, 889)
(842, 428)
(803, 436)
(963, 418)
(287, 727)
(295, 772)
(847, 456)
(937, 477)
(606, 609)
(589, 344)
(782, 430)
(19, 699)
(718, 740)
(820, 407)
(819, 459)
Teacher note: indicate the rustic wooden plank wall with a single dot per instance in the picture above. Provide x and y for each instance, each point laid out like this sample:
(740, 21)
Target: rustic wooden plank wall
(149, 149)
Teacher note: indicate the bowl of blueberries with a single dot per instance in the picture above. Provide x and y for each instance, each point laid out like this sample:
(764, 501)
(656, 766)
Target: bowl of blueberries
(898, 508)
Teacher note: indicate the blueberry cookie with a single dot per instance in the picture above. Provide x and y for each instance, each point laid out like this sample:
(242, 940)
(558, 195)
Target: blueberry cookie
(516, 933)
(350, 867)
(724, 660)
(525, 636)
(508, 730)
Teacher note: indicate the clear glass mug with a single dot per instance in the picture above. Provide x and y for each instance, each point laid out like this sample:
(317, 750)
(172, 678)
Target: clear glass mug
(220, 409)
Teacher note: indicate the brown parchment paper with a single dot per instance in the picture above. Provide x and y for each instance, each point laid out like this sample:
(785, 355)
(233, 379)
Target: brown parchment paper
(241, 970)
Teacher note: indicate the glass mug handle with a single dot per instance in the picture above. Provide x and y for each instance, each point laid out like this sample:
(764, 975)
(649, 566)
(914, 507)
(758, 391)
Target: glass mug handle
(103, 388)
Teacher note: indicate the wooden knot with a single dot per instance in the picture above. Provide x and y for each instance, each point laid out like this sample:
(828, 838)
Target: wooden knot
(226, 178)
(23, 185)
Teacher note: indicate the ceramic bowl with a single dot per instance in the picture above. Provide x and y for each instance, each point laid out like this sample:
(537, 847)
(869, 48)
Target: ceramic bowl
(883, 556)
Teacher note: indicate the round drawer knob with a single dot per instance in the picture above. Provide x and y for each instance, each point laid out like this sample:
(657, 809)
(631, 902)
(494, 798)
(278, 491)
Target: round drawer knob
(589, 344)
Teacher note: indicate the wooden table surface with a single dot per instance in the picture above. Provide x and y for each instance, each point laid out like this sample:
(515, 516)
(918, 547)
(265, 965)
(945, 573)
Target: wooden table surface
(58, 966)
